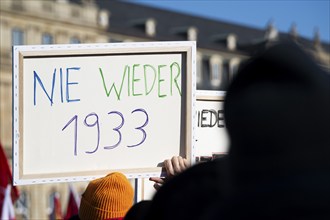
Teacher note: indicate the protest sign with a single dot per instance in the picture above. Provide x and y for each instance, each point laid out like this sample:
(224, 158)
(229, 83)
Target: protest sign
(82, 111)
(211, 134)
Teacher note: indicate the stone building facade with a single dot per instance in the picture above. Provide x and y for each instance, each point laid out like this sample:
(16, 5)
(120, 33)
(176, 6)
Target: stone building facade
(222, 46)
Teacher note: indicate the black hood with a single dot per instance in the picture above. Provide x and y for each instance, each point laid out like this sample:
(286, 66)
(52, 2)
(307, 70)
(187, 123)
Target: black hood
(277, 112)
(278, 167)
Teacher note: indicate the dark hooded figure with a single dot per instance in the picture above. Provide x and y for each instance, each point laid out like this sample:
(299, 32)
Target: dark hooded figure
(138, 211)
(277, 113)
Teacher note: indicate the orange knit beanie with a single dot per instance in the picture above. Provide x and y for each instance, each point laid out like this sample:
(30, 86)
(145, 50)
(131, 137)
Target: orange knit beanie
(107, 197)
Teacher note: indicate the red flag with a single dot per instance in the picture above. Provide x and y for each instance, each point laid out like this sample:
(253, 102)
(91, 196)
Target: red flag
(73, 203)
(56, 212)
(6, 179)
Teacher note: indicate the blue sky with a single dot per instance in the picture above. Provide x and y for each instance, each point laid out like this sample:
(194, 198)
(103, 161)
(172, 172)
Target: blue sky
(307, 15)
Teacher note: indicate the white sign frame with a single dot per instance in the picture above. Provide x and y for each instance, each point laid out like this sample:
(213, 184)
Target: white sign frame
(186, 48)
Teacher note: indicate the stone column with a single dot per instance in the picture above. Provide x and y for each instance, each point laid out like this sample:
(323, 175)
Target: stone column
(33, 35)
(102, 39)
(5, 36)
(62, 37)
(39, 202)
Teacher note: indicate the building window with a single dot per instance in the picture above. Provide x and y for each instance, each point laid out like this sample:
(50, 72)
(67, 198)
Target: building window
(17, 36)
(74, 40)
(47, 39)
(75, 13)
(47, 6)
(224, 76)
(115, 40)
(206, 73)
(216, 71)
(17, 5)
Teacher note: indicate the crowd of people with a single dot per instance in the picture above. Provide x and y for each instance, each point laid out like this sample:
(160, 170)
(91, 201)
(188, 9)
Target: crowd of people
(277, 113)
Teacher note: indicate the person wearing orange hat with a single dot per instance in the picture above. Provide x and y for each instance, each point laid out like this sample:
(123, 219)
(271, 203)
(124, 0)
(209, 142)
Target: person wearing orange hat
(107, 198)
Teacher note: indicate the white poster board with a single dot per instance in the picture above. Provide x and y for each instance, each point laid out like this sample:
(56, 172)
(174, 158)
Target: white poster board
(211, 135)
(82, 111)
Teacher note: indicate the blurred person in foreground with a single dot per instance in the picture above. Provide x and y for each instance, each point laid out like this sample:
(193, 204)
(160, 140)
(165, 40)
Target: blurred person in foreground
(277, 112)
